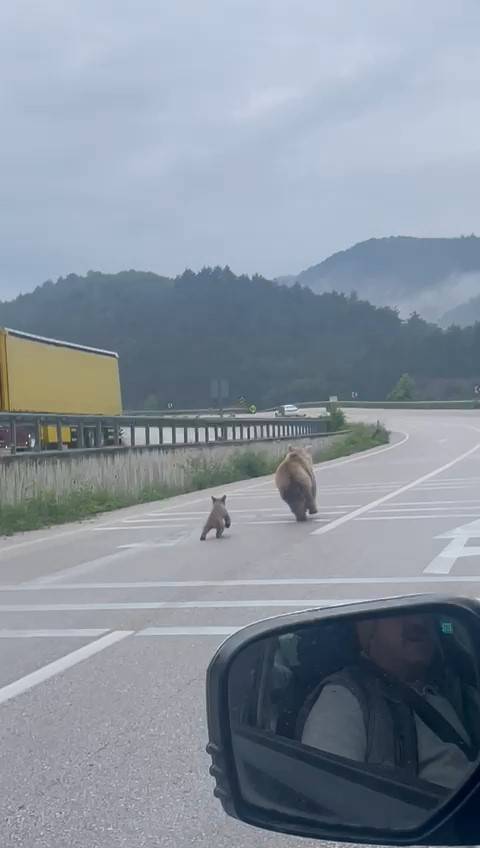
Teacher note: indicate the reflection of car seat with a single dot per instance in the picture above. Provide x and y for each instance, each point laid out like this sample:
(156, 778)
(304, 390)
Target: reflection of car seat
(321, 651)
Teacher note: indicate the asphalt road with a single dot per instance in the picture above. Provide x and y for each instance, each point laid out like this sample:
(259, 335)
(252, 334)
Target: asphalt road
(106, 629)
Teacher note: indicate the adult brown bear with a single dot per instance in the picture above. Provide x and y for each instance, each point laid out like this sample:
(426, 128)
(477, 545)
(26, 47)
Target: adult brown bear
(296, 482)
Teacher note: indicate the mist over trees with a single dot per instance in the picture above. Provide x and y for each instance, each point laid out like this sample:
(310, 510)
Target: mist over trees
(273, 343)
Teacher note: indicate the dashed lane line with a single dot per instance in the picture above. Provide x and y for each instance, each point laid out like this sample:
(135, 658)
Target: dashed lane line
(23, 684)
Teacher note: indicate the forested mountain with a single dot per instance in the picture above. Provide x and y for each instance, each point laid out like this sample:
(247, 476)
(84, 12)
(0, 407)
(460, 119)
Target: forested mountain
(430, 275)
(464, 314)
(274, 343)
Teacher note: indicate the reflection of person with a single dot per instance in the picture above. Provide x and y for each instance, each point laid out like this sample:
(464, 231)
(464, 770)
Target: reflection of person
(364, 714)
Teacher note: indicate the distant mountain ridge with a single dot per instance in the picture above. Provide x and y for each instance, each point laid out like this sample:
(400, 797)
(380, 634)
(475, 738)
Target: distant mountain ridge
(427, 275)
(272, 343)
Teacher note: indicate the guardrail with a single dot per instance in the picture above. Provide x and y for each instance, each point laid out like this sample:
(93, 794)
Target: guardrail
(187, 413)
(406, 404)
(39, 432)
(391, 404)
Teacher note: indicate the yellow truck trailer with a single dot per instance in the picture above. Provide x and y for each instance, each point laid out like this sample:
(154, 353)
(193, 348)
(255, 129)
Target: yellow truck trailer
(49, 376)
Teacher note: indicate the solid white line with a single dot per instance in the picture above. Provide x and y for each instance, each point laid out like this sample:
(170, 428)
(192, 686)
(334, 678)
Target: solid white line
(86, 633)
(272, 510)
(23, 684)
(139, 527)
(444, 487)
(369, 506)
(417, 517)
(471, 502)
(50, 538)
(278, 521)
(151, 605)
(160, 521)
(205, 584)
(150, 545)
(81, 568)
(188, 631)
(423, 508)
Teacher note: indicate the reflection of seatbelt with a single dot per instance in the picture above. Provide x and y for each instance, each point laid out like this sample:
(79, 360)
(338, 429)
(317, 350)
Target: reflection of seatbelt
(435, 720)
(425, 711)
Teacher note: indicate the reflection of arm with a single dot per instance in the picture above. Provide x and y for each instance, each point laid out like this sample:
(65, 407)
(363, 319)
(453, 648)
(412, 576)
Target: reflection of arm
(335, 724)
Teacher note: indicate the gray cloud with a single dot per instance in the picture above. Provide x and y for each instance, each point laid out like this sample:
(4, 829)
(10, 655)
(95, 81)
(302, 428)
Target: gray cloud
(263, 135)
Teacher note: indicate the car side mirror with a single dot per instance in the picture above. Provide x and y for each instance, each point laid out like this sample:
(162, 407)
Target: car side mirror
(358, 723)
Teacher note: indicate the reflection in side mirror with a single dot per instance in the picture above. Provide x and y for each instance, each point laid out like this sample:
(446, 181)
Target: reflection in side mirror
(356, 724)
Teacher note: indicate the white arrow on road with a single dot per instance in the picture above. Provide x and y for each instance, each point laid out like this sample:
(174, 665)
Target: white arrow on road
(457, 547)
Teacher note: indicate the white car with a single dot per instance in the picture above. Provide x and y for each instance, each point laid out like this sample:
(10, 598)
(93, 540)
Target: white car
(287, 409)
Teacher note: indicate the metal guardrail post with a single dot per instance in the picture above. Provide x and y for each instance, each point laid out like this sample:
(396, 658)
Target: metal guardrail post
(98, 435)
(59, 434)
(13, 435)
(147, 435)
(185, 435)
(116, 434)
(38, 434)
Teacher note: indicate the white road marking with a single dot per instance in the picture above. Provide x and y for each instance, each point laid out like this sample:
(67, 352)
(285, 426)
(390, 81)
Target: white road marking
(376, 517)
(150, 545)
(85, 633)
(369, 506)
(273, 510)
(205, 584)
(458, 487)
(457, 502)
(188, 631)
(456, 549)
(245, 517)
(139, 527)
(165, 524)
(81, 568)
(423, 508)
(38, 541)
(23, 684)
(159, 521)
(299, 603)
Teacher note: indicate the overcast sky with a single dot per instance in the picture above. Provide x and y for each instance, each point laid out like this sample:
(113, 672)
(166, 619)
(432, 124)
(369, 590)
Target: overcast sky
(263, 134)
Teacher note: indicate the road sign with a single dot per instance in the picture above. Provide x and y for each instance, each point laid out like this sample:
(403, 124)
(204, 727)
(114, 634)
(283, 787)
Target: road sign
(252, 409)
(477, 390)
(333, 398)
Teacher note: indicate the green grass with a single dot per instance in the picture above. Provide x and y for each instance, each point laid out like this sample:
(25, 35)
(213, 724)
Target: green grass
(243, 466)
(360, 437)
(48, 509)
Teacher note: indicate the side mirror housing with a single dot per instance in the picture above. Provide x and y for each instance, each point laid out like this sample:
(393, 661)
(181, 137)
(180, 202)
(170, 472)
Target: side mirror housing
(359, 723)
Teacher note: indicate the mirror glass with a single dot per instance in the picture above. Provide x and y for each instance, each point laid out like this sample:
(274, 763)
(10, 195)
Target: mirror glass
(371, 721)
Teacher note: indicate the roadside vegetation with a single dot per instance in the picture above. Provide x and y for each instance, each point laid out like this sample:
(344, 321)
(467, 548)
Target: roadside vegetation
(48, 509)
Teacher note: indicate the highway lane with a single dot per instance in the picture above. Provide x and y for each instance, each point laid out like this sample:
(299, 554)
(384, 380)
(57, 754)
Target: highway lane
(106, 628)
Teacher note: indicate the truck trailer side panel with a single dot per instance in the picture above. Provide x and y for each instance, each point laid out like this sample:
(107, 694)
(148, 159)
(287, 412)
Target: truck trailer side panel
(43, 375)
